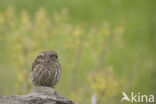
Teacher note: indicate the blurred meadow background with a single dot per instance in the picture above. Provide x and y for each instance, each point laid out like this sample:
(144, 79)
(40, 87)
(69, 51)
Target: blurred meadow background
(105, 46)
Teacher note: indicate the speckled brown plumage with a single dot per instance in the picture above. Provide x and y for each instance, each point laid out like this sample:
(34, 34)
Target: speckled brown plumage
(46, 69)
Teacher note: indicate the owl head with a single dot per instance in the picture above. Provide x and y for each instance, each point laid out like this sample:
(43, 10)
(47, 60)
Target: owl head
(47, 56)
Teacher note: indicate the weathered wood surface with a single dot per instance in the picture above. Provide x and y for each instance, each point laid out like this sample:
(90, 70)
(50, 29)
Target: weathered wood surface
(40, 95)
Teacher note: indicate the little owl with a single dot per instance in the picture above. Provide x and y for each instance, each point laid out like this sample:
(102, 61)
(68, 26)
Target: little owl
(46, 69)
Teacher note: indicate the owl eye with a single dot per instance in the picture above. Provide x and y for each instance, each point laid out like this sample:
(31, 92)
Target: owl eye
(53, 57)
(40, 58)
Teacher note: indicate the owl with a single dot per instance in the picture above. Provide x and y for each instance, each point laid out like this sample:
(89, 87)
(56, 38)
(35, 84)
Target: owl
(46, 69)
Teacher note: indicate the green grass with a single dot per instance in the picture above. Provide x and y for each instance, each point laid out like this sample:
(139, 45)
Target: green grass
(78, 32)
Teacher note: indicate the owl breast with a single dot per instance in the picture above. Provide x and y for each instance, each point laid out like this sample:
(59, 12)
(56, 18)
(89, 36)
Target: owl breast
(46, 74)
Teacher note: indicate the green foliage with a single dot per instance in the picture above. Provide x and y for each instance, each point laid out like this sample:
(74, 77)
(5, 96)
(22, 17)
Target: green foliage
(27, 36)
(96, 59)
(103, 83)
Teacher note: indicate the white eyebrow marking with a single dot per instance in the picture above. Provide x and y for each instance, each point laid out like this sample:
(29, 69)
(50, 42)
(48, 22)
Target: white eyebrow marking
(42, 54)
